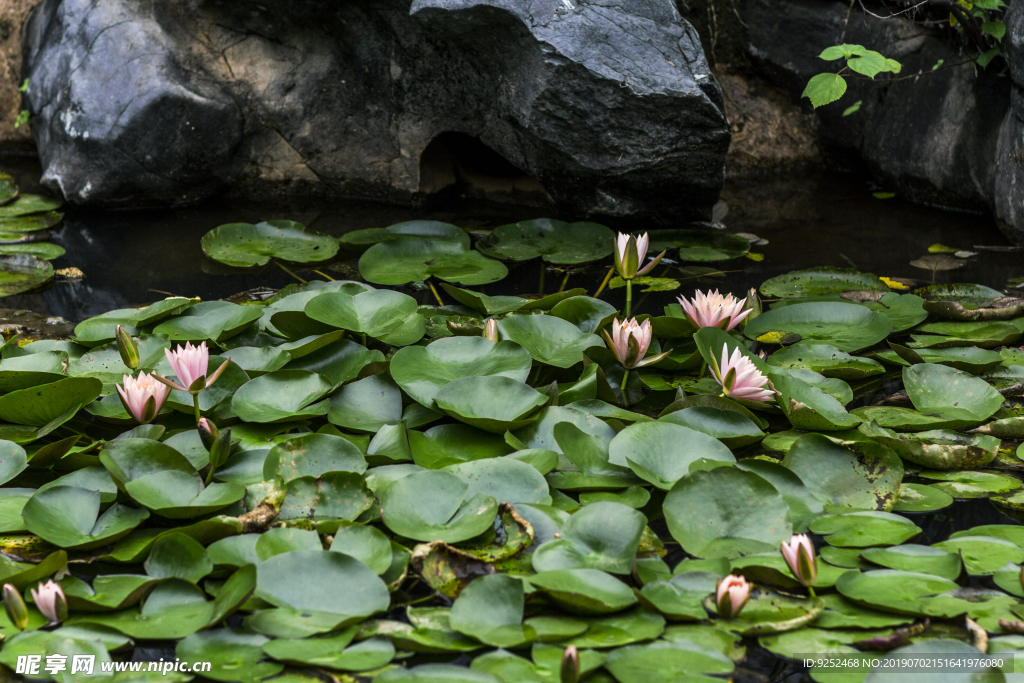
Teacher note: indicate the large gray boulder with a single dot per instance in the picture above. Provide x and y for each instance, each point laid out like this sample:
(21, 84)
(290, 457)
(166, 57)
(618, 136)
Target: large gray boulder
(932, 138)
(599, 105)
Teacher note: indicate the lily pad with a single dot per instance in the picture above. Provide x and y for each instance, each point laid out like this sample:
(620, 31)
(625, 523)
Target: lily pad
(429, 506)
(548, 339)
(821, 281)
(665, 662)
(862, 475)
(556, 241)
(848, 327)
(69, 517)
(281, 396)
(700, 245)
(741, 513)
(661, 452)
(243, 245)
(865, 529)
(209, 320)
(921, 498)
(323, 571)
(972, 484)
(29, 203)
(492, 403)
(983, 555)
(490, 609)
(411, 259)
(826, 360)
(601, 535)
(377, 313)
(422, 371)
(22, 272)
(732, 428)
(890, 590)
(584, 591)
(939, 449)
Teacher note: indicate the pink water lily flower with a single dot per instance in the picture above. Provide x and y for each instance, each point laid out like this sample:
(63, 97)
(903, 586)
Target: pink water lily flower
(50, 601)
(142, 396)
(190, 364)
(629, 342)
(799, 555)
(740, 378)
(630, 253)
(732, 594)
(714, 310)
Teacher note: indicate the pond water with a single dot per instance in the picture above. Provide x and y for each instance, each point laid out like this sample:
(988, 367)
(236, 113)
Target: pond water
(134, 257)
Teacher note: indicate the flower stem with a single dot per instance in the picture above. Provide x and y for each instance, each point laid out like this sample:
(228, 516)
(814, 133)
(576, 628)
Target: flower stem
(209, 475)
(565, 281)
(437, 296)
(629, 298)
(625, 382)
(811, 591)
(281, 266)
(195, 405)
(604, 283)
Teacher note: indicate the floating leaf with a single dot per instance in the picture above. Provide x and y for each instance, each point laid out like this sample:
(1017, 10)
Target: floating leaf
(243, 245)
(556, 241)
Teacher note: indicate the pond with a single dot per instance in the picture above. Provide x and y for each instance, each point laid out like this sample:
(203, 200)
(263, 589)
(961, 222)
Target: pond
(406, 486)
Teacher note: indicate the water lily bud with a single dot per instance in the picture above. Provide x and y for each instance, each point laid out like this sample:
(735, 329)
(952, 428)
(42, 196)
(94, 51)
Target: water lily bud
(51, 602)
(570, 665)
(127, 348)
(799, 555)
(491, 330)
(15, 607)
(221, 448)
(629, 256)
(208, 432)
(732, 594)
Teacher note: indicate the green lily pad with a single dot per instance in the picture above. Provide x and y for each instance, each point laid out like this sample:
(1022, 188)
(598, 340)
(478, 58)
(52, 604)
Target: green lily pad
(548, 339)
(22, 272)
(490, 609)
(681, 598)
(917, 558)
(29, 203)
(862, 475)
(328, 498)
(939, 449)
(921, 498)
(891, 590)
(429, 506)
(966, 358)
(243, 245)
(212, 320)
(332, 651)
(821, 281)
(312, 455)
(556, 241)
(411, 259)
(492, 403)
(769, 612)
(741, 513)
(584, 591)
(366, 405)
(423, 371)
(602, 536)
(700, 245)
(69, 517)
(42, 250)
(972, 484)
(365, 593)
(848, 327)
(232, 655)
(505, 479)
(983, 554)
(842, 613)
(177, 556)
(950, 394)
(865, 529)
(664, 662)
(662, 452)
(377, 313)
(366, 543)
(826, 360)
(733, 429)
(281, 396)
(451, 444)
(586, 313)
(987, 335)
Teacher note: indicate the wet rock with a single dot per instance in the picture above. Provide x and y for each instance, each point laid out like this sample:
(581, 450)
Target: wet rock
(601, 107)
(932, 139)
(1008, 204)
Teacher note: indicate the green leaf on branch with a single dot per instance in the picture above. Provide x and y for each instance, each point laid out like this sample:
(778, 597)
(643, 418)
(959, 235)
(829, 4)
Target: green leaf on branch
(985, 58)
(996, 29)
(853, 108)
(841, 52)
(869, 64)
(893, 66)
(825, 89)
